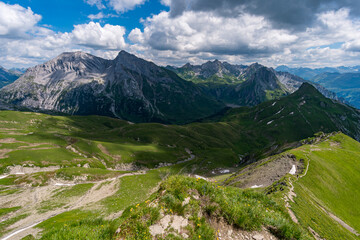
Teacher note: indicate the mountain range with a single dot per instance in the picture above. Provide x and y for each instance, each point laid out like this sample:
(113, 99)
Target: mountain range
(345, 85)
(131, 88)
(309, 73)
(126, 87)
(102, 177)
(8, 76)
(240, 85)
(343, 81)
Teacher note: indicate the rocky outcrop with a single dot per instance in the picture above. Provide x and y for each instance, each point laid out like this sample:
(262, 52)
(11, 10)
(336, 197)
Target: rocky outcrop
(126, 87)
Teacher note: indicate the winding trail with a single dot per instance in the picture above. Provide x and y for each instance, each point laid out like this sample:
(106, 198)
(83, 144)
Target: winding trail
(290, 196)
(341, 222)
(97, 192)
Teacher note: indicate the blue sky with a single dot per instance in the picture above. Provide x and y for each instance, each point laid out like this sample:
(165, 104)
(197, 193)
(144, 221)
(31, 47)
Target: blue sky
(62, 15)
(307, 33)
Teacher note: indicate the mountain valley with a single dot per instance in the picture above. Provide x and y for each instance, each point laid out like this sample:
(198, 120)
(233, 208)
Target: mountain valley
(130, 150)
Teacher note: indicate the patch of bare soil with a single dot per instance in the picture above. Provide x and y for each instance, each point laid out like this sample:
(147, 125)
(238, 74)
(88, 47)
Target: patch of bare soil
(170, 224)
(8, 140)
(224, 231)
(3, 152)
(29, 170)
(266, 172)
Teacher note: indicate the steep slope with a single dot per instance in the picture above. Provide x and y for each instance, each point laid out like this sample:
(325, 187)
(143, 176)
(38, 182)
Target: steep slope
(7, 77)
(126, 87)
(321, 192)
(261, 84)
(345, 85)
(298, 116)
(236, 85)
(327, 199)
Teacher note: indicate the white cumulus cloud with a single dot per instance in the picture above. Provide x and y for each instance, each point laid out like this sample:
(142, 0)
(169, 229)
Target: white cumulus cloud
(95, 36)
(203, 32)
(16, 21)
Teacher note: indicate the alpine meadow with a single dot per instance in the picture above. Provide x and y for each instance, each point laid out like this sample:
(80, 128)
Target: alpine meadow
(179, 119)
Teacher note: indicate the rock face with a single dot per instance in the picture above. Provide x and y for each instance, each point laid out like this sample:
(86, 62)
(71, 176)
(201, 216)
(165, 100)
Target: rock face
(261, 84)
(126, 87)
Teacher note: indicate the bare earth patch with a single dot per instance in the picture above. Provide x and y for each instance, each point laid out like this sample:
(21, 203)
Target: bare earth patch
(266, 172)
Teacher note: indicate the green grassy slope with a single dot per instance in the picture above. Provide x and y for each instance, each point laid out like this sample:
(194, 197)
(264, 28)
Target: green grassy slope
(297, 116)
(208, 203)
(325, 185)
(101, 142)
(331, 182)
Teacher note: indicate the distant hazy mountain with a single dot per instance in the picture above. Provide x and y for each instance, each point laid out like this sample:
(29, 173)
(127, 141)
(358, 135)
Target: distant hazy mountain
(309, 73)
(18, 71)
(345, 85)
(7, 76)
(343, 81)
(243, 85)
(126, 87)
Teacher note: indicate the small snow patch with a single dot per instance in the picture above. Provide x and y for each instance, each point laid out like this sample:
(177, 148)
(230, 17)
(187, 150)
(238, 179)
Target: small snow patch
(224, 171)
(293, 170)
(197, 176)
(279, 111)
(274, 104)
(3, 176)
(292, 113)
(256, 186)
(270, 122)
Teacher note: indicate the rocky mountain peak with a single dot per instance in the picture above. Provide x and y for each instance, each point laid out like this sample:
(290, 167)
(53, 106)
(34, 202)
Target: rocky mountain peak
(128, 61)
(187, 66)
(79, 62)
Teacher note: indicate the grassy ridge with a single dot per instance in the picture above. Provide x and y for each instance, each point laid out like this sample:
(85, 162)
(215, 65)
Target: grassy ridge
(332, 183)
(244, 209)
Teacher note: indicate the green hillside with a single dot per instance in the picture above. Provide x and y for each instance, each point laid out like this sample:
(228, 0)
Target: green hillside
(84, 171)
(102, 142)
(331, 183)
(324, 196)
